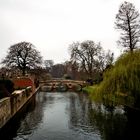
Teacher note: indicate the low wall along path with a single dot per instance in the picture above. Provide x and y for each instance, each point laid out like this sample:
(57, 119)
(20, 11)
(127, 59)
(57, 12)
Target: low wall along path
(9, 106)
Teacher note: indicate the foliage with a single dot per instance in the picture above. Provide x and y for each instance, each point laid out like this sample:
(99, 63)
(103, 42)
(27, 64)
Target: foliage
(6, 87)
(89, 82)
(9, 85)
(89, 89)
(23, 56)
(66, 76)
(121, 83)
(127, 21)
(57, 71)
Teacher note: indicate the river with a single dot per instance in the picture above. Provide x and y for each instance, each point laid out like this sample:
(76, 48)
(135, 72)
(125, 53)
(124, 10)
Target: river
(69, 116)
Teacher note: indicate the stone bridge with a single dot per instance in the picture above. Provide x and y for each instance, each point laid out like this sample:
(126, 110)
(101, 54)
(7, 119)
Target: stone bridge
(62, 85)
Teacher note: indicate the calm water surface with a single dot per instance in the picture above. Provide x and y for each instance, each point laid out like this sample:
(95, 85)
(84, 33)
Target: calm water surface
(68, 116)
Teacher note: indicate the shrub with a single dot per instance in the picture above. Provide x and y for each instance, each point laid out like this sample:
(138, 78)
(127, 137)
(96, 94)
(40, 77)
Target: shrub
(122, 80)
(6, 88)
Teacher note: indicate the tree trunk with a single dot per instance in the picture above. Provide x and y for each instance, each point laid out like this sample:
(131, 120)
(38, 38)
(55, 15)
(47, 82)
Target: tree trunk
(23, 72)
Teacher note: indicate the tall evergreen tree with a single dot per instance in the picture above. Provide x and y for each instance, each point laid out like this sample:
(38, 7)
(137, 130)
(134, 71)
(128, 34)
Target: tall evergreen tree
(127, 20)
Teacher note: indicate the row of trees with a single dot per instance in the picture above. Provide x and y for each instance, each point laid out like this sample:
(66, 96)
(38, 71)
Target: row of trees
(88, 59)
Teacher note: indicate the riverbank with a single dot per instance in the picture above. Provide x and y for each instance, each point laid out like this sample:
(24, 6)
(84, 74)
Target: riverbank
(110, 100)
(92, 93)
(89, 89)
(120, 84)
(9, 106)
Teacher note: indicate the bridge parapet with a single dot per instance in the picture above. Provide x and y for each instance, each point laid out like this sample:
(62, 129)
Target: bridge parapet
(62, 85)
(63, 81)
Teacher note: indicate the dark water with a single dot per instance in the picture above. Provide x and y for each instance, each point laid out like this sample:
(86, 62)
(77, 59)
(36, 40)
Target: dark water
(70, 116)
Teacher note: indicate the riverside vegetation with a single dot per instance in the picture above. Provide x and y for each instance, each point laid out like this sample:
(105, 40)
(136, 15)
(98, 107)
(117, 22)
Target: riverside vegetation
(121, 82)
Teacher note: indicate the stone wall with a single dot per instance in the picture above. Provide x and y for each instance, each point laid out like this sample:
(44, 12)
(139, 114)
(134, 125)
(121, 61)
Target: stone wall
(5, 111)
(9, 106)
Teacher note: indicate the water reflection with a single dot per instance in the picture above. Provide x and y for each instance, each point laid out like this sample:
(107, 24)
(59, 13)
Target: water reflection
(33, 118)
(71, 116)
(96, 120)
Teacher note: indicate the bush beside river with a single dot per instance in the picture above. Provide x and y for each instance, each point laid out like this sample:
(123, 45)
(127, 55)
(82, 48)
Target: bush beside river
(121, 82)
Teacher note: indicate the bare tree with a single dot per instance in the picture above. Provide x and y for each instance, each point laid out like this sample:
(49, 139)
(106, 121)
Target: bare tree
(71, 69)
(127, 20)
(22, 55)
(58, 70)
(87, 55)
(48, 64)
(91, 58)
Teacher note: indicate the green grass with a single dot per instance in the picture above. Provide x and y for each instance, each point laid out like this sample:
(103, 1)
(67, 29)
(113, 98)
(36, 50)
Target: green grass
(89, 89)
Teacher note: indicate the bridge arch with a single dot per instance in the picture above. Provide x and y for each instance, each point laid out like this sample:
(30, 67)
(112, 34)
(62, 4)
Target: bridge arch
(62, 85)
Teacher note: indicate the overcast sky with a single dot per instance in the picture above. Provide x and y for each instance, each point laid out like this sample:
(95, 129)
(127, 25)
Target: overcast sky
(52, 25)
